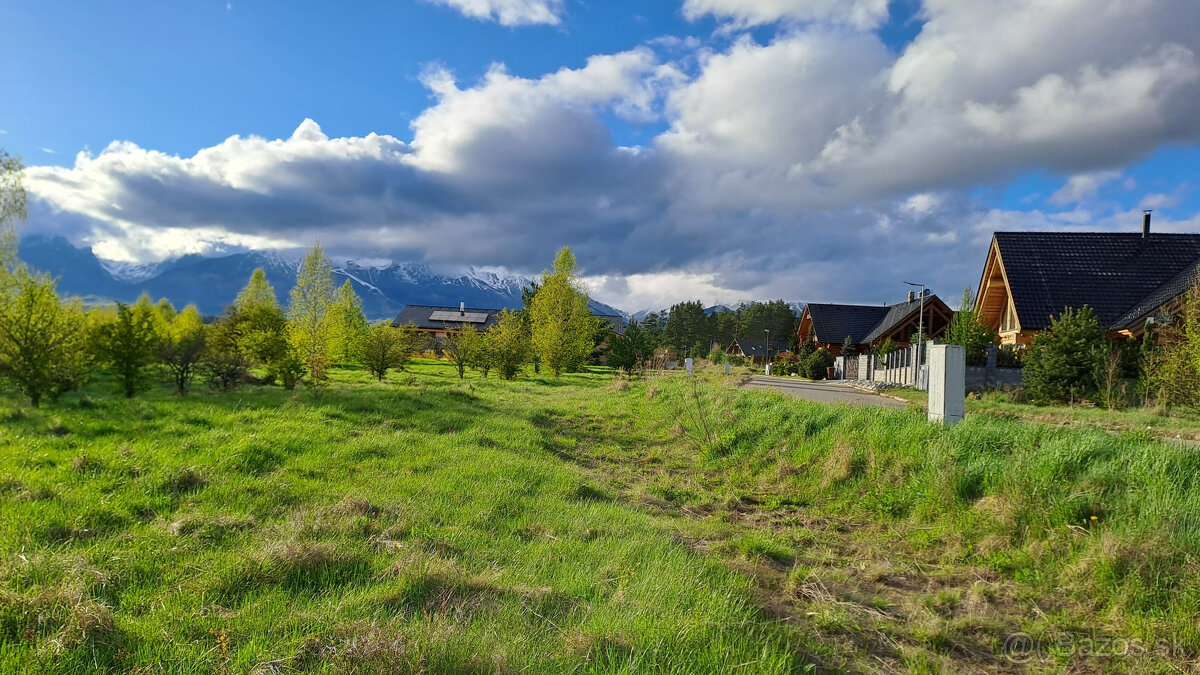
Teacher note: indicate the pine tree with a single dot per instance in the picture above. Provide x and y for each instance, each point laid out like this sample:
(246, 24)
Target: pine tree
(968, 330)
(349, 324)
(632, 349)
(561, 323)
(1062, 361)
(310, 321)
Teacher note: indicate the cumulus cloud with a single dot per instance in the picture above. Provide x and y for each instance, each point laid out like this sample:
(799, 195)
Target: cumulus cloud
(1082, 186)
(860, 14)
(509, 12)
(784, 163)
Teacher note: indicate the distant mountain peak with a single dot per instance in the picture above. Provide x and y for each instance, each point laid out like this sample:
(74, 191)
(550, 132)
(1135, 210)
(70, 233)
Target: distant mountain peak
(212, 282)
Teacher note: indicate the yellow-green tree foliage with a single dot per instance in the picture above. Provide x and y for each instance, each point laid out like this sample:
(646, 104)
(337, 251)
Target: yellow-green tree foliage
(562, 325)
(256, 327)
(182, 346)
(384, 348)
(310, 327)
(457, 346)
(12, 209)
(507, 343)
(476, 354)
(349, 324)
(258, 292)
(1173, 370)
(128, 346)
(43, 350)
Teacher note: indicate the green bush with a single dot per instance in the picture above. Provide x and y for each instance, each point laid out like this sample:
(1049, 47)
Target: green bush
(814, 365)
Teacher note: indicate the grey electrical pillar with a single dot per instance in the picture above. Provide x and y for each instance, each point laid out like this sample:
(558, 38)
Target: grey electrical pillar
(947, 383)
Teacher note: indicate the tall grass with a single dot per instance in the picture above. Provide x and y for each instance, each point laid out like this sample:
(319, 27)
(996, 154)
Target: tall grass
(570, 525)
(1106, 526)
(383, 528)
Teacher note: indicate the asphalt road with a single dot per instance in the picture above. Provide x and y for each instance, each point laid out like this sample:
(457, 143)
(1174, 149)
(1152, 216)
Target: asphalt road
(824, 392)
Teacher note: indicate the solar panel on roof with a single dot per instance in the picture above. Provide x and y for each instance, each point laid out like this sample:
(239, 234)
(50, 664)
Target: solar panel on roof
(456, 317)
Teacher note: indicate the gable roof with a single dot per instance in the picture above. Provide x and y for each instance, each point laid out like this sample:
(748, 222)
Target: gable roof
(430, 317)
(1116, 274)
(756, 348)
(896, 315)
(832, 323)
(864, 324)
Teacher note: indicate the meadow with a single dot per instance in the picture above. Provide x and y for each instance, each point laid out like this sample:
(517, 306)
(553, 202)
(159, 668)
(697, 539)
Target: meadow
(586, 524)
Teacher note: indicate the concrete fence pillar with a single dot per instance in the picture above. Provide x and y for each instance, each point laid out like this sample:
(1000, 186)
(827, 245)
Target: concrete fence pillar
(947, 383)
(990, 376)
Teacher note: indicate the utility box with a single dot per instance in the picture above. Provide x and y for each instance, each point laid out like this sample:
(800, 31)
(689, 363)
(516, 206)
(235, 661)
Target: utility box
(947, 383)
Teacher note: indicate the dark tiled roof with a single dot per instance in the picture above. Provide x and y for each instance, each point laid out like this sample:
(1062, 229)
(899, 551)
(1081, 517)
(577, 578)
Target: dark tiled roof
(754, 349)
(897, 313)
(1173, 288)
(832, 323)
(863, 323)
(1115, 274)
(421, 317)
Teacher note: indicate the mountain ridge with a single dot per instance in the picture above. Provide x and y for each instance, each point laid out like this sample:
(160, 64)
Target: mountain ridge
(212, 283)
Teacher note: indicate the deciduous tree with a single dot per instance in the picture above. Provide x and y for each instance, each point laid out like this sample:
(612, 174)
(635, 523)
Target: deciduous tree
(12, 209)
(310, 321)
(128, 346)
(182, 346)
(43, 349)
(507, 343)
(457, 345)
(561, 323)
(385, 348)
(349, 324)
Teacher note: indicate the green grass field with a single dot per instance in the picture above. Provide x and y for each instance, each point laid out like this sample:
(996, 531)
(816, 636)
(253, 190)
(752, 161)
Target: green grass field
(582, 525)
(1179, 424)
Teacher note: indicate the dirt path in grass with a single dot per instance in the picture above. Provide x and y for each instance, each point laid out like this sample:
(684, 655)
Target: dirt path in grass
(860, 596)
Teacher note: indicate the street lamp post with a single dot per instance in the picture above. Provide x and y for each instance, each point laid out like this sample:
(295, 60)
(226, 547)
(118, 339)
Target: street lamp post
(920, 332)
(767, 351)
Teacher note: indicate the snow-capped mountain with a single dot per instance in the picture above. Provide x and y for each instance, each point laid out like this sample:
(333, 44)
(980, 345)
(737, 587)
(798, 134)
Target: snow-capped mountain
(797, 307)
(212, 283)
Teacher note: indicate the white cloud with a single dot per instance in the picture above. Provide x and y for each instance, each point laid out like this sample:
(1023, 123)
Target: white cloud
(784, 164)
(49, 151)
(1082, 186)
(509, 12)
(863, 14)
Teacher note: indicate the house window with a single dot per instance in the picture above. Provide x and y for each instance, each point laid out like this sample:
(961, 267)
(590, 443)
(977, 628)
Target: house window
(1008, 323)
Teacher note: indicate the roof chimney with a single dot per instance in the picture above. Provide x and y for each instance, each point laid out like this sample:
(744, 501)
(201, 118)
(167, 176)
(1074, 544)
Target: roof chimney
(462, 308)
(1146, 223)
(910, 296)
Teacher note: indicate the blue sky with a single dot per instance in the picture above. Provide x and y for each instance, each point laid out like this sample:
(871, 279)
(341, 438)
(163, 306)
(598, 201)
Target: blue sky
(721, 149)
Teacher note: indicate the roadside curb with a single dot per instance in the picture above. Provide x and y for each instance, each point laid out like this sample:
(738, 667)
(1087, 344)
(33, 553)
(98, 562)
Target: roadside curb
(878, 393)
